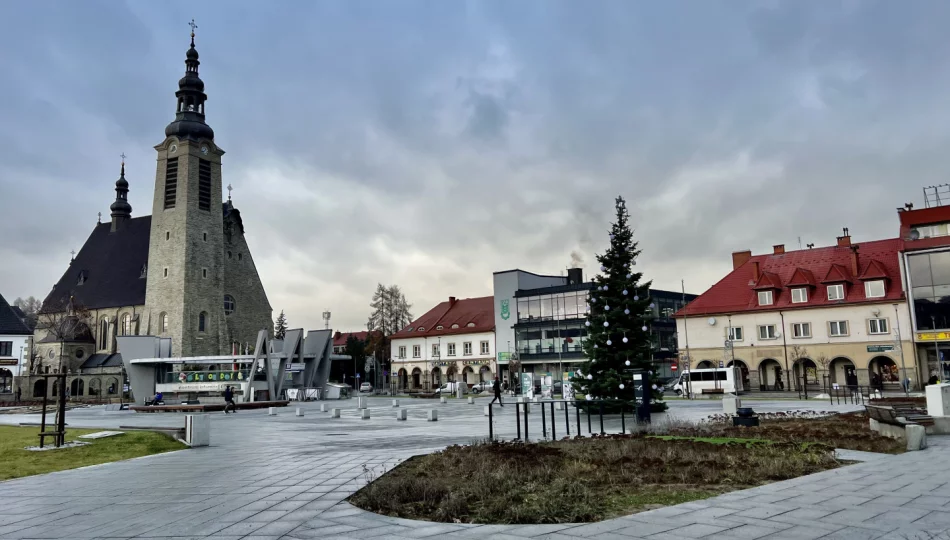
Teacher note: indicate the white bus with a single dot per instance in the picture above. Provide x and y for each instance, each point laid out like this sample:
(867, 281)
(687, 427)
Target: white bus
(728, 379)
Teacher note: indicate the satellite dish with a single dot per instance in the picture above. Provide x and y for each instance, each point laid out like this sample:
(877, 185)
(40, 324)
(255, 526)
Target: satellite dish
(914, 234)
(712, 321)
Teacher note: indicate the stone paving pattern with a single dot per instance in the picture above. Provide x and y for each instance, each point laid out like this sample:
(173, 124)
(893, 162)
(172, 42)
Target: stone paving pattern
(286, 478)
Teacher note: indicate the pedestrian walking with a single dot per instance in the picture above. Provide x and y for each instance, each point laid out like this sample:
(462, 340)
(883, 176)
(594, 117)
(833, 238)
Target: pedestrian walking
(496, 387)
(229, 400)
(18, 393)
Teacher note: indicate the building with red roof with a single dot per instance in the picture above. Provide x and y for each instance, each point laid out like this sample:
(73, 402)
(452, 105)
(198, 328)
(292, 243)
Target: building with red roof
(340, 339)
(791, 318)
(452, 342)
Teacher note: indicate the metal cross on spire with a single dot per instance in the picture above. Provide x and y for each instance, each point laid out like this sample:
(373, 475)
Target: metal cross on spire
(122, 155)
(193, 26)
(229, 192)
(72, 255)
(99, 220)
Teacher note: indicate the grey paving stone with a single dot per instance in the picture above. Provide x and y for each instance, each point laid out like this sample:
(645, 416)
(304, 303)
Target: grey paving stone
(697, 530)
(800, 532)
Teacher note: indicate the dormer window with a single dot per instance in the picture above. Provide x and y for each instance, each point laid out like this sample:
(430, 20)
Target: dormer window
(470, 325)
(836, 292)
(799, 295)
(82, 278)
(438, 327)
(874, 289)
(765, 298)
(454, 326)
(422, 329)
(144, 273)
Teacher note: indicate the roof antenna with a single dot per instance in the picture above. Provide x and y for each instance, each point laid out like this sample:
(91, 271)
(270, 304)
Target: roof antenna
(809, 246)
(799, 242)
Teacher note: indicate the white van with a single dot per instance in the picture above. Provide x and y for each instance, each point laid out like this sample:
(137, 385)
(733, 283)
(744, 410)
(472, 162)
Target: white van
(729, 380)
(450, 388)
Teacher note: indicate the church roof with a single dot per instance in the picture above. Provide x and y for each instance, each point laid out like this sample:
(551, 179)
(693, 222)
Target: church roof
(107, 271)
(10, 323)
(100, 360)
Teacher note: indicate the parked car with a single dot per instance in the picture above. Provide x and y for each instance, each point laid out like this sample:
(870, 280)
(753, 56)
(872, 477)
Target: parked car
(451, 387)
(484, 386)
(366, 387)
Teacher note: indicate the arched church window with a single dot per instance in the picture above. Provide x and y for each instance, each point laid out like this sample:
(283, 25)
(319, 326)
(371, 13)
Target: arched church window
(126, 325)
(202, 321)
(104, 333)
(228, 304)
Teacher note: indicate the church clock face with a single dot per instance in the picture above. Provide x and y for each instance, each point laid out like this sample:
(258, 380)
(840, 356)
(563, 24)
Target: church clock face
(204, 150)
(173, 148)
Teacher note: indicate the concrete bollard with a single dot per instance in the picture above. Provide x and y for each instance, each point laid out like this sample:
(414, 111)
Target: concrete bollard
(395, 403)
(323, 407)
(536, 400)
(916, 437)
(272, 411)
(299, 411)
(361, 403)
(364, 414)
(471, 400)
(443, 400)
(197, 430)
(486, 410)
(334, 413)
(559, 406)
(731, 404)
(938, 399)
(433, 415)
(401, 414)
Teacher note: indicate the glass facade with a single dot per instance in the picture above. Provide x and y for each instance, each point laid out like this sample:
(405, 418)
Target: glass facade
(551, 340)
(930, 282)
(552, 307)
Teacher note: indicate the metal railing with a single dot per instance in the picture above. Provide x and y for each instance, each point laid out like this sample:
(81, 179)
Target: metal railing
(595, 411)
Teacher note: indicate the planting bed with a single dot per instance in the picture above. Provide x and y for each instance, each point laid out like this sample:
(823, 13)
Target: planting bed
(849, 431)
(581, 480)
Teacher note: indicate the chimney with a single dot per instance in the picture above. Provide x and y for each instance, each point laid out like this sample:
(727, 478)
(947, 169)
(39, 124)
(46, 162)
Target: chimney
(575, 276)
(740, 257)
(778, 249)
(844, 240)
(854, 260)
(452, 301)
(755, 271)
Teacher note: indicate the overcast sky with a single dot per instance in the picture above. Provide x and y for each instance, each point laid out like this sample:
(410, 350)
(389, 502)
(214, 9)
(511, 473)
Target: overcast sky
(429, 144)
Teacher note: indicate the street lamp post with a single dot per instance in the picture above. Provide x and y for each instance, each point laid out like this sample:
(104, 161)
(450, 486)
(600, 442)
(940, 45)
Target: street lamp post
(900, 347)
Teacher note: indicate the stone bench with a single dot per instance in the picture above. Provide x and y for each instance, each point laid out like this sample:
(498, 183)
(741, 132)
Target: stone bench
(889, 422)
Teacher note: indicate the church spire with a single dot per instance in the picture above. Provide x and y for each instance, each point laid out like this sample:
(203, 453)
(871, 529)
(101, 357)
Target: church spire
(121, 209)
(189, 122)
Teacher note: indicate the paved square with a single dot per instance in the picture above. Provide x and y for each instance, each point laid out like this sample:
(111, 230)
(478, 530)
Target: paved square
(286, 477)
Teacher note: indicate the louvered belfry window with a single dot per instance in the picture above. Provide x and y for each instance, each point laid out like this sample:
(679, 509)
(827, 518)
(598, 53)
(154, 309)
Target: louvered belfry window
(204, 184)
(171, 182)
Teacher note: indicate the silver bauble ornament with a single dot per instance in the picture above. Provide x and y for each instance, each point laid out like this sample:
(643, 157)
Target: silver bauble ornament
(606, 324)
(625, 340)
(590, 377)
(625, 292)
(586, 323)
(606, 308)
(652, 306)
(603, 268)
(621, 386)
(644, 329)
(626, 312)
(605, 287)
(627, 362)
(610, 342)
(635, 298)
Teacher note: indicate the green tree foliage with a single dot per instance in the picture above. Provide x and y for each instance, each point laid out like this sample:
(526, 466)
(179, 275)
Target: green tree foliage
(280, 326)
(618, 321)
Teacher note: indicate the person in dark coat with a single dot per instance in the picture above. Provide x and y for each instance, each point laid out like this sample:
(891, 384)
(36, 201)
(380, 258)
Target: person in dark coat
(496, 386)
(229, 400)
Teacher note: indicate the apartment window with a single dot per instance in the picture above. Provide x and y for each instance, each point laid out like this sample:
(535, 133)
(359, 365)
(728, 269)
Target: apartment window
(838, 328)
(765, 298)
(416, 351)
(801, 330)
(799, 295)
(467, 348)
(874, 289)
(402, 351)
(767, 331)
(435, 350)
(484, 348)
(877, 326)
(171, 182)
(6, 348)
(204, 184)
(836, 292)
(451, 349)
(229, 304)
(735, 333)
(202, 321)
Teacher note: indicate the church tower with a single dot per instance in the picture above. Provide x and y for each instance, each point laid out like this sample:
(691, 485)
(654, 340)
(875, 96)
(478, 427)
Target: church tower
(184, 285)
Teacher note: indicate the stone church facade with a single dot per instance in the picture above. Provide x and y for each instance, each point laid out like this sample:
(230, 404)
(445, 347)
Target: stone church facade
(185, 272)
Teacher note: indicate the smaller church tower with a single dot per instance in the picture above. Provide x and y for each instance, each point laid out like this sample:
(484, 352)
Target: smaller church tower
(121, 209)
(184, 295)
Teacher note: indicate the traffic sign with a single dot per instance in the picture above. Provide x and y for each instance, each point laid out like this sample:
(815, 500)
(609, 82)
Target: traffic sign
(674, 367)
(721, 364)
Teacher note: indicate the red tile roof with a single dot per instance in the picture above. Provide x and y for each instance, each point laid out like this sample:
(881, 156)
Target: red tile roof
(339, 338)
(735, 293)
(479, 312)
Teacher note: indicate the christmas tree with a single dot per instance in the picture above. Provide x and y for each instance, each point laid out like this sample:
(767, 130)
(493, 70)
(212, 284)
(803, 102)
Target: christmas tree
(280, 327)
(618, 326)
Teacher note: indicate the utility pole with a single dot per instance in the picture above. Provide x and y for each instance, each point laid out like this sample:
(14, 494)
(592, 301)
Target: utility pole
(689, 382)
(900, 347)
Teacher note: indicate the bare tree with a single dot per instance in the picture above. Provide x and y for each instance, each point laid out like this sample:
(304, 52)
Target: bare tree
(70, 324)
(823, 361)
(798, 353)
(30, 306)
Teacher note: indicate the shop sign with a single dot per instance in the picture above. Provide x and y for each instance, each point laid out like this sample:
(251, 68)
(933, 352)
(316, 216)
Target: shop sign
(474, 362)
(933, 336)
(504, 357)
(880, 348)
(6, 362)
(211, 376)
